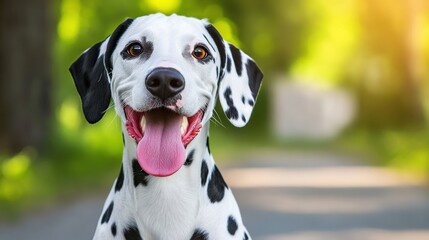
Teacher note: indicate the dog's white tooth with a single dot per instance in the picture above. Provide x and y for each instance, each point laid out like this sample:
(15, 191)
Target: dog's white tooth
(143, 123)
(184, 125)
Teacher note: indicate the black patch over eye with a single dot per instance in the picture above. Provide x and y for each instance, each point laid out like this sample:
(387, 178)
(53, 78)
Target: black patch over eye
(134, 49)
(200, 52)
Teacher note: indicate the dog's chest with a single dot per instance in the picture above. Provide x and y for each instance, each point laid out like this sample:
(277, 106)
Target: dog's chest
(167, 207)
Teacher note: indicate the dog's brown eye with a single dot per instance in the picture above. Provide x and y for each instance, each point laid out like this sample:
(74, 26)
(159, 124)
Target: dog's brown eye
(135, 49)
(200, 53)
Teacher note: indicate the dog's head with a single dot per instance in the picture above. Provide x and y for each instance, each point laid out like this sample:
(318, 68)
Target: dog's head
(163, 73)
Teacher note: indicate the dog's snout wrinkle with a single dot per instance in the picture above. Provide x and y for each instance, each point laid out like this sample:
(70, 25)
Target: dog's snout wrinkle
(165, 82)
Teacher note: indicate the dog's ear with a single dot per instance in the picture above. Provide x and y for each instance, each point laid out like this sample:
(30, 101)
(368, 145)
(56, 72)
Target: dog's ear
(92, 73)
(239, 80)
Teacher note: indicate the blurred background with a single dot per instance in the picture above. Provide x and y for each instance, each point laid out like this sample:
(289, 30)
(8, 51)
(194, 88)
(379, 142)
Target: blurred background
(346, 84)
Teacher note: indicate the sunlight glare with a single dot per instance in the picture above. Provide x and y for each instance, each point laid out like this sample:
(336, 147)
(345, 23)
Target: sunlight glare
(164, 6)
(68, 26)
(69, 115)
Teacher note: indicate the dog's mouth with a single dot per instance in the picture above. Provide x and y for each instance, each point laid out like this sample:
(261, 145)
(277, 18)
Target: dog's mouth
(162, 135)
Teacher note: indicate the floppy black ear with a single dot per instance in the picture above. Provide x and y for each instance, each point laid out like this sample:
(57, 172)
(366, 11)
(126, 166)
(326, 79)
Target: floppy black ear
(92, 73)
(239, 80)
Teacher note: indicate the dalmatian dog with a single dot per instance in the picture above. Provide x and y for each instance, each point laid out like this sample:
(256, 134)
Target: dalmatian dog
(164, 74)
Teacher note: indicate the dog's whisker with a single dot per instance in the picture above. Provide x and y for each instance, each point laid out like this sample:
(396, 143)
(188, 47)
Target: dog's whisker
(111, 105)
(113, 120)
(217, 119)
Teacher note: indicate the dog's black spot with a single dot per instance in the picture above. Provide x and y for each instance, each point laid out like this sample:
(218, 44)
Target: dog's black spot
(120, 180)
(107, 214)
(251, 102)
(243, 99)
(236, 56)
(200, 234)
(113, 229)
(232, 225)
(113, 42)
(190, 158)
(140, 176)
(216, 186)
(246, 237)
(204, 173)
(221, 76)
(217, 72)
(208, 145)
(132, 232)
(231, 112)
(243, 118)
(255, 77)
(214, 49)
(217, 38)
(228, 65)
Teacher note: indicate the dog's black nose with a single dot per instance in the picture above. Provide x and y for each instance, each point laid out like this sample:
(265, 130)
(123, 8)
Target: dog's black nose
(165, 82)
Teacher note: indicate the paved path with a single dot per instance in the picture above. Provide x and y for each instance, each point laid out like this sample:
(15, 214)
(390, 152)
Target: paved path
(305, 196)
(319, 196)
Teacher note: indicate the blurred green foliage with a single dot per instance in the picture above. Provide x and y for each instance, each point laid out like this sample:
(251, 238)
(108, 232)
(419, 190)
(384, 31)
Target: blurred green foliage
(404, 150)
(376, 49)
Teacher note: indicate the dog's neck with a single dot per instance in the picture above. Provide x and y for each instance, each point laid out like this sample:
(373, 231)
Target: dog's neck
(160, 203)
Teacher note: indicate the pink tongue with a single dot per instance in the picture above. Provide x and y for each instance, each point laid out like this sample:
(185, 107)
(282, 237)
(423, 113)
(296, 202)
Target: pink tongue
(161, 152)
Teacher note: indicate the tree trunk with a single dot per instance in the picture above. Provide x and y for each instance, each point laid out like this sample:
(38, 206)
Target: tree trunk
(25, 74)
